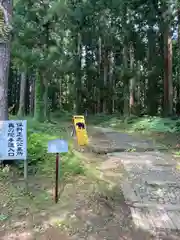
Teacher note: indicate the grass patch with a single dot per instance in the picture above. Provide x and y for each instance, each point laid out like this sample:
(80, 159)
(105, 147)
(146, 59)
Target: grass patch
(16, 205)
(38, 135)
(81, 188)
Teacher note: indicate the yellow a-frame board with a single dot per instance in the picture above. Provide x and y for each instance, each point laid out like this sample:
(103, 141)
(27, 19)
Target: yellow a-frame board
(80, 128)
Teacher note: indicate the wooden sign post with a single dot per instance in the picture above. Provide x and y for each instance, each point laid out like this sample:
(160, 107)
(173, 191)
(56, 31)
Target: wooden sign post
(57, 146)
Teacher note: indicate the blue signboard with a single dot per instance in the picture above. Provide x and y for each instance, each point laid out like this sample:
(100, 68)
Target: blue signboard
(57, 146)
(13, 140)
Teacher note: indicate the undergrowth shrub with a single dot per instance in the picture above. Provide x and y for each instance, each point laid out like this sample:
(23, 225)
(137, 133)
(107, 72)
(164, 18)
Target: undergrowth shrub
(134, 123)
(39, 160)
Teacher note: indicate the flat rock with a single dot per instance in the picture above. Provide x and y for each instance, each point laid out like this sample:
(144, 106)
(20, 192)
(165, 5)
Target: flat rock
(160, 183)
(155, 206)
(120, 142)
(151, 219)
(151, 187)
(129, 194)
(127, 141)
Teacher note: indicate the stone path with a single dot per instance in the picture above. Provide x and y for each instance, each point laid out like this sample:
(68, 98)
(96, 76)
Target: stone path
(152, 184)
(115, 141)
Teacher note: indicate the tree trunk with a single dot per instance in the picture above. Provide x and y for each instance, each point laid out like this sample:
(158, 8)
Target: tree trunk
(125, 61)
(131, 84)
(138, 93)
(126, 82)
(6, 8)
(98, 84)
(170, 83)
(105, 80)
(168, 95)
(46, 102)
(111, 102)
(32, 95)
(4, 68)
(39, 101)
(45, 96)
(60, 94)
(27, 95)
(151, 99)
(78, 75)
(178, 60)
(21, 111)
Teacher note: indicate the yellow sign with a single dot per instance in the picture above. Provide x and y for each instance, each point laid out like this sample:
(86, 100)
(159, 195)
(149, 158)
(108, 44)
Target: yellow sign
(80, 128)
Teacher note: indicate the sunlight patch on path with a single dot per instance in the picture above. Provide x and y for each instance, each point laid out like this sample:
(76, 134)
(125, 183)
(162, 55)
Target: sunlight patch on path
(18, 236)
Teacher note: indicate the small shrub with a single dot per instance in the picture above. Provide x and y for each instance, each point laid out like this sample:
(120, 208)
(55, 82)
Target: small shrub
(39, 160)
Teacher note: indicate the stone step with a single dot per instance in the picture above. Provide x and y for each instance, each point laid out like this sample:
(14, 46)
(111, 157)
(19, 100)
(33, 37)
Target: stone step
(153, 157)
(145, 195)
(129, 194)
(161, 183)
(153, 219)
(167, 207)
(100, 149)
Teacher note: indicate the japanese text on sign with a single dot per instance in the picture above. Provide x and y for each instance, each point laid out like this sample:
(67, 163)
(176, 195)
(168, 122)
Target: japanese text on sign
(13, 140)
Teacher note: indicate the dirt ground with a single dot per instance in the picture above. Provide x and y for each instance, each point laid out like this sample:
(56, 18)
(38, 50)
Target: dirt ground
(90, 207)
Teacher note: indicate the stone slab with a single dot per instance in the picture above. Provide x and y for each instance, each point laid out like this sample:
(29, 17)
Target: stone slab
(175, 217)
(129, 141)
(158, 177)
(152, 157)
(160, 182)
(129, 194)
(167, 207)
(158, 195)
(161, 219)
(140, 220)
(150, 219)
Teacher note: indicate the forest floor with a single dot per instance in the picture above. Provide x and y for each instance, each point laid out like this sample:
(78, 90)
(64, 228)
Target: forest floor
(91, 204)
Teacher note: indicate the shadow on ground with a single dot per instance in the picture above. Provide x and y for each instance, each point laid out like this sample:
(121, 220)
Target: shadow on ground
(89, 208)
(86, 210)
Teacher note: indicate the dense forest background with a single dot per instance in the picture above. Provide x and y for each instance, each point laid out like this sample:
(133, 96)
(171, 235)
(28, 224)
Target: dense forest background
(98, 56)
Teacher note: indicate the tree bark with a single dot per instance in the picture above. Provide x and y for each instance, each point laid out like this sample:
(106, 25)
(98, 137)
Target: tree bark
(170, 75)
(32, 95)
(111, 102)
(78, 74)
(21, 111)
(178, 54)
(151, 99)
(105, 79)
(46, 100)
(6, 9)
(126, 82)
(131, 84)
(98, 92)
(168, 95)
(4, 68)
(39, 101)
(125, 62)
